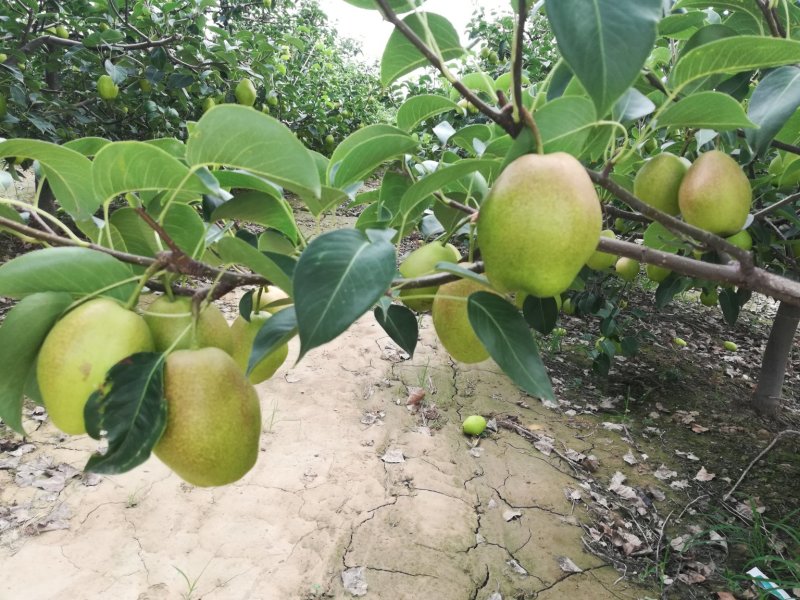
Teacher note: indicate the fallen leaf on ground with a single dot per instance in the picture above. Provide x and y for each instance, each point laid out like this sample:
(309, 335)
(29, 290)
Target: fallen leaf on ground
(566, 565)
(510, 515)
(393, 456)
(354, 582)
(703, 475)
(630, 458)
(664, 472)
(623, 491)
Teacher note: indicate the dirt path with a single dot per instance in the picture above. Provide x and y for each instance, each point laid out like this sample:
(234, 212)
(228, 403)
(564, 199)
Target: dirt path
(450, 522)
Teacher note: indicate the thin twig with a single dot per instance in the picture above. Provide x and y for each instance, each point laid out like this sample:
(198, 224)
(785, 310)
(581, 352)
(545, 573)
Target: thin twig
(757, 458)
(516, 57)
(159, 230)
(788, 200)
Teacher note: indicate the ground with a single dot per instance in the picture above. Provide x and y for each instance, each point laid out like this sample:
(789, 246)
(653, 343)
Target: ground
(366, 485)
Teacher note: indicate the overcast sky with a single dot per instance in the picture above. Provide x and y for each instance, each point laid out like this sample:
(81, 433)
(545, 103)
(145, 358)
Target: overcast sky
(368, 27)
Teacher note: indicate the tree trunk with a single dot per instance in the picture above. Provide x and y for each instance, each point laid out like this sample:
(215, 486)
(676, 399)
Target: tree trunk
(767, 397)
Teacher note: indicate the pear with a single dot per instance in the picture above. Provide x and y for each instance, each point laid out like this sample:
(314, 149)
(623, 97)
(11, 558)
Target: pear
(600, 261)
(419, 263)
(741, 240)
(79, 351)
(657, 274)
(243, 333)
(213, 418)
(715, 195)
(245, 92)
(627, 268)
(451, 321)
(273, 299)
(709, 297)
(539, 225)
(171, 319)
(658, 181)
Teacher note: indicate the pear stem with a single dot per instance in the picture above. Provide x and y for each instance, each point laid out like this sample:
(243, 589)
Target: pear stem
(150, 272)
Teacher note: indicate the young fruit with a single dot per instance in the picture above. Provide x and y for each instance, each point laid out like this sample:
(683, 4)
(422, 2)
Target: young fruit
(213, 418)
(657, 274)
(730, 346)
(145, 86)
(709, 298)
(600, 261)
(539, 225)
(171, 320)
(741, 240)
(568, 307)
(273, 299)
(451, 321)
(680, 342)
(245, 92)
(474, 425)
(78, 352)
(627, 268)
(715, 195)
(330, 141)
(106, 87)
(419, 263)
(272, 100)
(658, 181)
(208, 104)
(243, 334)
(62, 32)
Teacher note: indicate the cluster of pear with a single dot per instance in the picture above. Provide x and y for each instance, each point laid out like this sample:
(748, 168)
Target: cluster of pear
(213, 411)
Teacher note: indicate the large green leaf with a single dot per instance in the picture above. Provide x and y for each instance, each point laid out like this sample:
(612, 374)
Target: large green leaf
(564, 124)
(399, 6)
(242, 138)
(417, 109)
(605, 42)
(471, 137)
(504, 333)
(264, 209)
(706, 110)
(77, 271)
(734, 55)
(68, 172)
(21, 334)
(541, 313)
(243, 180)
(185, 227)
(122, 167)
(365, 150)
(338, 278)
(237, 251)
(88, 146)
(401, 325)
(401, 57)
(137, 236)
(276, 331)
(774, 100)
(131, 409)
(747, 7)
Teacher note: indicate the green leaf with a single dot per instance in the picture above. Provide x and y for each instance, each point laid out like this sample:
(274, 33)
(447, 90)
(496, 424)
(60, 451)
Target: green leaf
(88, 146)
(399, 6)
(417, 109)
(130, 407)
(564, 124)
(137, 236)
(264, 209)
(77, 271)
(401, 57)
(185, 227)
(276, 331)
(463, 272)
(774, 100)
(242, 180)
(541, 313)
(466, 136)
(339, 276)
(729, 303)
(504, 333)
(673, 285)
(747, 7)
(242, 138)
(633, 106)
(21, 335)
(122, 167)
(734, 55)
(68, 172)
(422, 189)
(401, 325)
(706, 110)
(605, 43)
(237, 251)
(658, 237)
(365, 150)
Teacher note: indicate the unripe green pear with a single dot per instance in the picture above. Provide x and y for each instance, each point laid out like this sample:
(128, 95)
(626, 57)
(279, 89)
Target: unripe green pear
(709, 298)
(208, 104)
(106, 88)
(419, 263)
(657, 274)
(600, 261)
(474, 425)
(741, 240)
(451, 321)
(170, 320)
(715, 195)
(568, 307)
(243, 334)
(627, 268)
(273, 299)
(658, 181)
(79, 351)
(245, 92)
(539, 225)
(213, 418)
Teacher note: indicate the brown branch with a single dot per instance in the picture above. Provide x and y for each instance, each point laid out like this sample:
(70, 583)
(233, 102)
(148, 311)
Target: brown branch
(772, 207)
(504, 120)
(757, 458)
(772, 20)
(613, 211)
(52, 40)
(159, 230)
(436, 278)
(673, 224)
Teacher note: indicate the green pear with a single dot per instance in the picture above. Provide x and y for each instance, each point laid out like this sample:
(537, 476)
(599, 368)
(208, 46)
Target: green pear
(715, 195)
(741, 240)
(709, 298)
(600, 261)
(170, 320)
(243, 333)
(539, 225)
(657, 274)
(451, 321)
(419, 263)
(273, 299)
(79, 351)
(658, 181)
(245, 92)
(627, 268)
(568, 307)
(213, 418)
